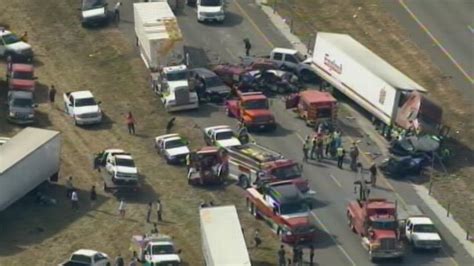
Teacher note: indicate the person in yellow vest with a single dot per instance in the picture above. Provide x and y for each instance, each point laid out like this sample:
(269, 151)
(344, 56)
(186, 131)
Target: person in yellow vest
(340, 153)
(306, 147)
(327, 144)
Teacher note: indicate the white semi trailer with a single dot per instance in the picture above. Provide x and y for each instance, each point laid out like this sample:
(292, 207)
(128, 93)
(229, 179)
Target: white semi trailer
(223, 242)
(28, 159)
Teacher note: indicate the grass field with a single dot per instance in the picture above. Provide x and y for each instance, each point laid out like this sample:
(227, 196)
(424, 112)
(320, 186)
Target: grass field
(101, 60)
(369, 23)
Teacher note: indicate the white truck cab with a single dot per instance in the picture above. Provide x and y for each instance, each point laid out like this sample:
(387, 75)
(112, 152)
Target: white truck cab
(121, 167)
(221, 136)
(156, 249)
(87, 257)
(11, 46)
(421, 233)
(82, 107)
(173, 147)
(210, 10)
(93, 12)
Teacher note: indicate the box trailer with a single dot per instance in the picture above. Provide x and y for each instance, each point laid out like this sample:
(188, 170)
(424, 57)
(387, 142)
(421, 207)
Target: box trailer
(371, 82)
(28, 159)
(223, 242)
(159, 37)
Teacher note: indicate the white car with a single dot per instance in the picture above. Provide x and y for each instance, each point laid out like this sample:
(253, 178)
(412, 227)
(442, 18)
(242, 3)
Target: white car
(12, 47)
(221, 136)
(421, 233)
(173, 148)
(121, 167)
(211, 10)
(82, 107)
(87, 257)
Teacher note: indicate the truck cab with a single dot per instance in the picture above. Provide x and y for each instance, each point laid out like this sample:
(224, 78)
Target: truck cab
(173, 147)
(208, 165)
(20, 77)
(11, 47)
(87, 257)
(156, 249)
(122, 168)
(82, 107)
(421, 233)
(21, 107)
(293, 60)
(252, 108)
(172, 84)
(210, 10)
(94, 12)
(314, 107)
(221, 136)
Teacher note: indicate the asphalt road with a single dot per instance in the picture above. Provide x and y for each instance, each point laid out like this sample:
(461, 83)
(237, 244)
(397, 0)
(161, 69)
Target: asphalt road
(445, 29)
(337, 245)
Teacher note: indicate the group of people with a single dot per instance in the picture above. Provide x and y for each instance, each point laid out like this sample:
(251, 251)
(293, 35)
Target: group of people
(322, 145)
(297, 258)
(73, 195)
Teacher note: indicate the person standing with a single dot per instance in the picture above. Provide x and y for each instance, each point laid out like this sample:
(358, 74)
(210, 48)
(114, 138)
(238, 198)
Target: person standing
(373, 174)
(327, 144)
(248, 46)
(311, 255)
(340, 153)
(52, 94)
(148, 212)
(130, 123)
(69, 187)
(354, 154)
(122, 208)
(117, 12)
(159, 210)
(281, 256)
(319, 148)
(24, 37)
(154, 230)
(258, 240)
(295, 254)
(314, 146)
(74, 200)
(93, 196)
(170, 125)
(306, 146)
(119, 260)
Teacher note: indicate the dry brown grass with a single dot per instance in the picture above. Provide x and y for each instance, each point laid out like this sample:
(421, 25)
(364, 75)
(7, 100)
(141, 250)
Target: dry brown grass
(376, 29)
(101, 60)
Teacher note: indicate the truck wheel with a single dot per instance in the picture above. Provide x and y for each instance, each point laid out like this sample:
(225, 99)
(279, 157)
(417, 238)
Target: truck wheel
(227, 112)
(244, 182)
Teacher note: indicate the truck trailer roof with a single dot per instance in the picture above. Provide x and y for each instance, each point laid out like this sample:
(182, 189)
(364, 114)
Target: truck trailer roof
(223, 236)
(371, 61)
(158, 20)
(23, 144)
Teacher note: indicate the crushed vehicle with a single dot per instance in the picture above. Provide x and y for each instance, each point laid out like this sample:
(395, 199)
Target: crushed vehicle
(420, 231)
(94, 12)
(87, 257)
(210, 10)
(207, 165)
(12, 48)
(156, 249)
(220, 136)
(121, 174)
(398, 167)
(285, 209)
(82, 107)
(21, 107)
(172, 147)
(252, 109)
(415, 146)
(233, 74)
(253, 164)
(314, 107)
(273, 80)
(208, 85)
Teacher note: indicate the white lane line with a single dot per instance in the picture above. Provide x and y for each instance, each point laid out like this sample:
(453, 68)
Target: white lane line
(470, 29)
(334, 240)
(300, 137)
(335, 180)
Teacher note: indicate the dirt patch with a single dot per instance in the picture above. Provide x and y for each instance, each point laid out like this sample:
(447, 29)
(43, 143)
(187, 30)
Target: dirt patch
(73, 58)
(369, 23)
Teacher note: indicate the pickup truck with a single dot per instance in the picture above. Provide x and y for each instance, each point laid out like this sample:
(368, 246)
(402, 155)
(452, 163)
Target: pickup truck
(252, 109)
(11, 47)
(420, 231)
(156, 249)
(82, 107)
(21, 108)
(121, 167)
(172, 147)
(221, 136)
(87, 257)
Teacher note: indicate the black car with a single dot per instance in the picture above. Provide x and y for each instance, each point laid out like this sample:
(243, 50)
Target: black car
(398, 167)
(94, 12)
(208, 85)
(415, 146)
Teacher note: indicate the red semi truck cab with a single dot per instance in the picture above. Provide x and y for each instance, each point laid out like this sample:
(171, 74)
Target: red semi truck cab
(252, 109)
(20, 77)
(285, 209)
(375, 220)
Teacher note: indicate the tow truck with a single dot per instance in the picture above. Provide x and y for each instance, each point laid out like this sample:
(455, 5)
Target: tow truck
(156, 249)
(252, 164)
(208, 165)
(221, 136)
(375, 220)
(252, 109)
(286, 210)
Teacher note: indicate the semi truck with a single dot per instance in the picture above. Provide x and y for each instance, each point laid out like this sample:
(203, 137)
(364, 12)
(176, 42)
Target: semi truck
(223, 242)
(28, 159)
(160, 43)
(252, 109)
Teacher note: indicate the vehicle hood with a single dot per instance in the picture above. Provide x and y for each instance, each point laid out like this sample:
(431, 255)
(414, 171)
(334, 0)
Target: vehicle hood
(296, 219)
(97, 12)
(86, 109)
(261, 112)
(178, 151)
(22, 84)
(21, 110)
(210, 9)
(164, 258)
(219, 89)
(224, 143)
(384, 234)
(178, 83)
(19, 46)
(426, 236)
(126, 170)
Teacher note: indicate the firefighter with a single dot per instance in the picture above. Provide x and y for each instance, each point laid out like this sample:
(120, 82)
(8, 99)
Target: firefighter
(340, 153)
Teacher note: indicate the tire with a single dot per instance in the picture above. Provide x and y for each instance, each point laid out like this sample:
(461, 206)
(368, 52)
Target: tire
(244, 182)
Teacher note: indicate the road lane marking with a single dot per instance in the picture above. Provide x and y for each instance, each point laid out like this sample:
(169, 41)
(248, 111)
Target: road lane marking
(425, 29)
(335, 180)
(254, 25)
(300, 137)
(334, 239)
(470, 29)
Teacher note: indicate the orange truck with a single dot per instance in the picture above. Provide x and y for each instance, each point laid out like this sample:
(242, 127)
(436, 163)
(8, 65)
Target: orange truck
(252, 108)
(314, 107)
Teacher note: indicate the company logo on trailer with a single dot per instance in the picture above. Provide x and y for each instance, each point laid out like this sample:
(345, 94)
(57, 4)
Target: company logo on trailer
(382, 95)
(332, 65)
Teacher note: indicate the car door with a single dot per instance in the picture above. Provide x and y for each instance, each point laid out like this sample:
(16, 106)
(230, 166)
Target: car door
(70, 106)
(291, 61)
(408, 229)
(110, 165)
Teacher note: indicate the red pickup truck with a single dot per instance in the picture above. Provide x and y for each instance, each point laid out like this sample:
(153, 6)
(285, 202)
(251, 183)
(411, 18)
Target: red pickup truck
(252, 109)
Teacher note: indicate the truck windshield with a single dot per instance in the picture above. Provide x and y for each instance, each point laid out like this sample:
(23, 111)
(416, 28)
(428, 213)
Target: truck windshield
(10, 38)
(287, 172)
(162, 249)
(424, 228)
(293, 207)
(224, 135)
(177, 75)
(174, 144)
(125, 162)
(92, 4)
(256, 104)
(384, 225)
(23, 75)
(22, 102)
(81, 259)
(85, 102)
(210, 2)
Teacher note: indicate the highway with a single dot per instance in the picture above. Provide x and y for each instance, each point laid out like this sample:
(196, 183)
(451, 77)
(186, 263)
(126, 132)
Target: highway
(336, 245)
(445, 30)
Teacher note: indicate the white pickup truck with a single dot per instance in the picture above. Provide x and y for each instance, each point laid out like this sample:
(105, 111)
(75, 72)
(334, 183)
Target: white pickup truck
(11, 47)
(221, 136)
(87, 257)
(82, 107)
(156, 249)
(121, 167)
(419, 230)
